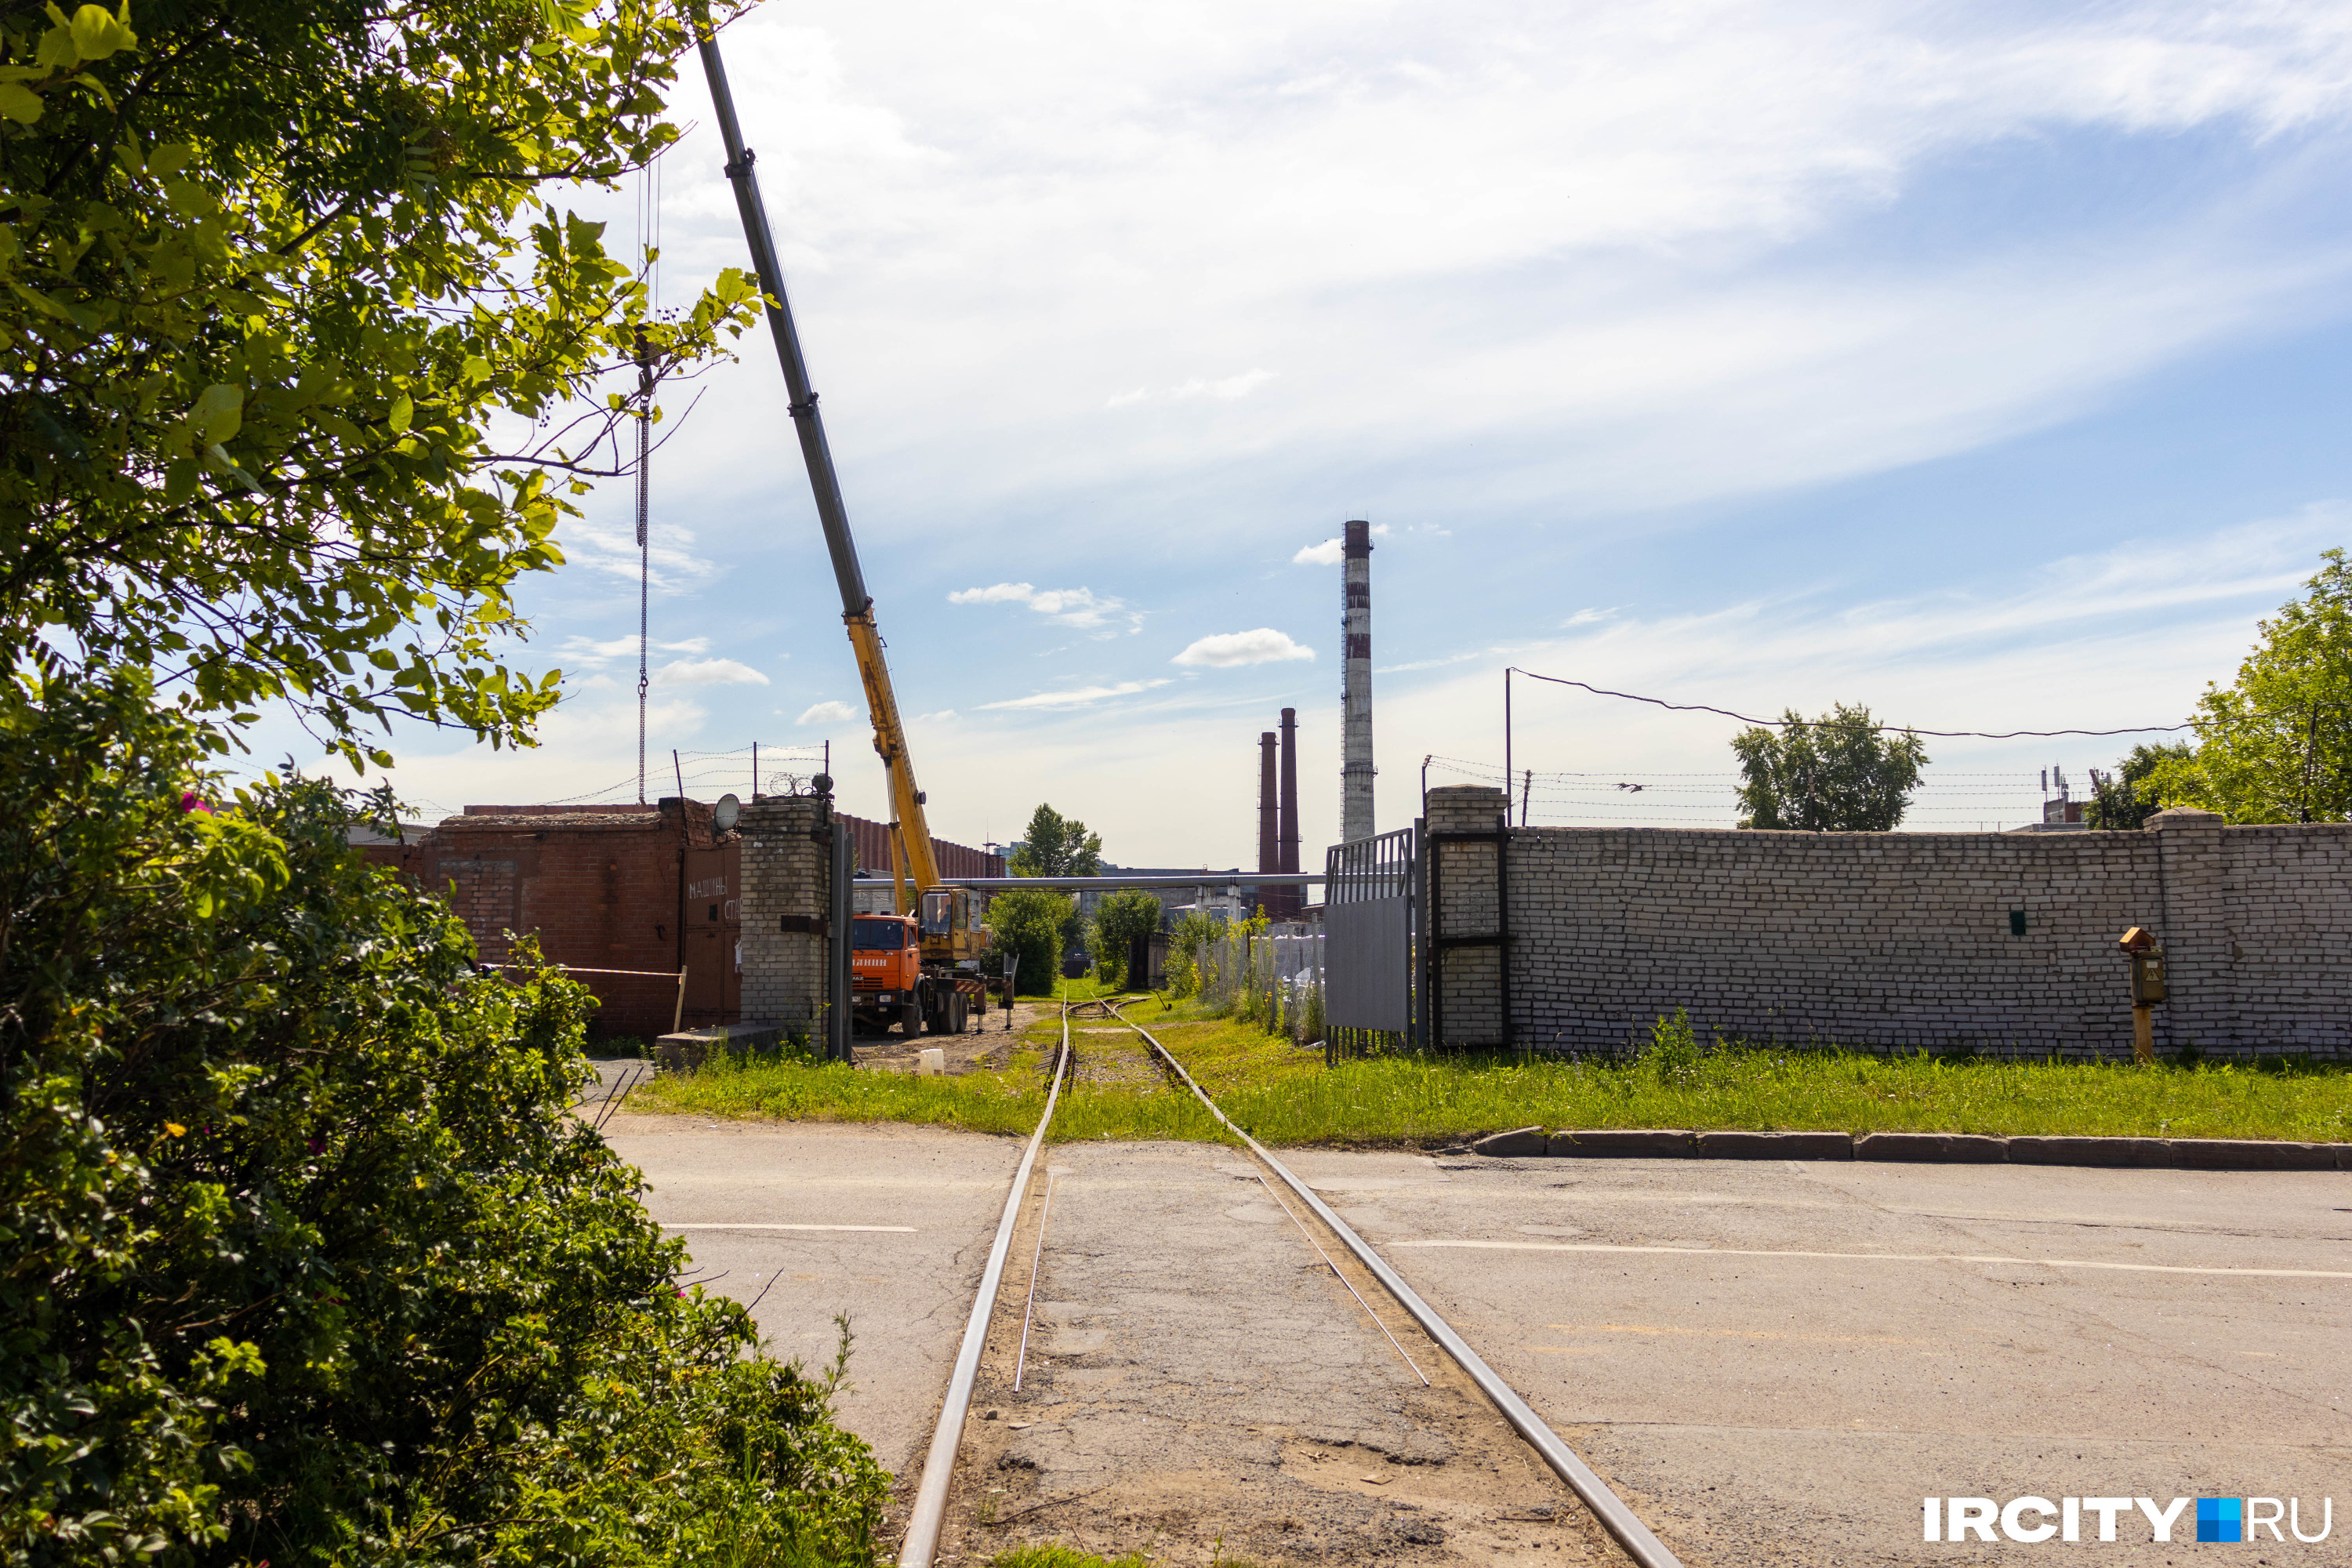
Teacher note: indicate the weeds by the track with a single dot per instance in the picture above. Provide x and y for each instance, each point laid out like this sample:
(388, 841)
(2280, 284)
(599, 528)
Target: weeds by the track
(1285, 1095)
(1053, 1554)
(1008, 1100)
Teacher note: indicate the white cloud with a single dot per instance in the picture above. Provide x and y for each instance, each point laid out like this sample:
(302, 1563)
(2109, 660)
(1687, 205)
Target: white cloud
(1225, 389)
(593, 652)
(944, 716)
(672, 566)
(827, 713)
(1226, 649)
(1616, 232)
(1000, 594)
(1588, 614)
(1327, 554)
(1427, 663)
(1083, 697)
(707, 672)
(1079, 607)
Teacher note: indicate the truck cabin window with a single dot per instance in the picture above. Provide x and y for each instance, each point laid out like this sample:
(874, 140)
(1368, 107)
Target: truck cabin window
(868, 935)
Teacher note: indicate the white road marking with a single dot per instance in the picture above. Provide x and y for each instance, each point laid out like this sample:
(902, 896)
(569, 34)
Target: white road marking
(1881, 1257)
(897, 1229)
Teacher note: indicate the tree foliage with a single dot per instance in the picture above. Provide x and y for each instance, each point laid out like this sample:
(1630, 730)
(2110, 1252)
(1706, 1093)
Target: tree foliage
(1057, 846)
(308, 1261)
(2276, 745)
(2124, 800)
(1028, 921)
(1119, 920)
(296, 338)
(1837, 773)
(1196, 930)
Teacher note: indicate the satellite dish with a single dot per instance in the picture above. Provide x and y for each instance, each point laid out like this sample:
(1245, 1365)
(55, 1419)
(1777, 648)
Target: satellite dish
(723, 814)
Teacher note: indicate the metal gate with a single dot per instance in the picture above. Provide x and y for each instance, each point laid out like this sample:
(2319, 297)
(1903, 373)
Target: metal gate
(1368, 924)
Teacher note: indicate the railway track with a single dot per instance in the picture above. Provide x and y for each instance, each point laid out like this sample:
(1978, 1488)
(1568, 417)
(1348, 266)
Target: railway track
(1425, 1333)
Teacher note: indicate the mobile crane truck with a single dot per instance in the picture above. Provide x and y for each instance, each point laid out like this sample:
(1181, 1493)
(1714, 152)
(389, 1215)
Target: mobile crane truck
(923, 968)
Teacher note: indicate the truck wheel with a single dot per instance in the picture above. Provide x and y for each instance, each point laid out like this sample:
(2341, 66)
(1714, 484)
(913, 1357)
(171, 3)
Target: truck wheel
(957, 1014)
(911, 1018)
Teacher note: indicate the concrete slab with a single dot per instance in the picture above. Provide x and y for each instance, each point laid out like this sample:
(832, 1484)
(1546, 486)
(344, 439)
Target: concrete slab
(1776, 1361)
(888, 1224)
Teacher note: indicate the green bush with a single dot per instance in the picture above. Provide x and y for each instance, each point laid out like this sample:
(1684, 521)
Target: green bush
(307, 1260)
(1196, 931)
(1118, 921)
(1028, 921)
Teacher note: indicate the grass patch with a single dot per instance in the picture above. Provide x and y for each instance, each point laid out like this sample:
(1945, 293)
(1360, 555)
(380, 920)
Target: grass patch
(1053, 1554)
(1006, 1101)
(1286, 1096)
(1415, 1100)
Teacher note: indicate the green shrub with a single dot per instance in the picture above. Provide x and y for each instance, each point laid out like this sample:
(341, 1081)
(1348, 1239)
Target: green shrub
(1027, 922)
(307, 1260)
(1119, 919)
(1674, 1051)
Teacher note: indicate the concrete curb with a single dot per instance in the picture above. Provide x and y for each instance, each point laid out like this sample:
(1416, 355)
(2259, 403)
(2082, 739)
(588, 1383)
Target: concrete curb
(1918, 1148)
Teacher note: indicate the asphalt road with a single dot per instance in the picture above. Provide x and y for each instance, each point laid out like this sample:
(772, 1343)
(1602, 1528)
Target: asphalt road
(889, 1225)
(1777, 1362)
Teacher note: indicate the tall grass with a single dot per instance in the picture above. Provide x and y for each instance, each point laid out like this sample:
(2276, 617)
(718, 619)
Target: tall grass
(1286, 1095)
(1006, 1101)
(1421, 1100)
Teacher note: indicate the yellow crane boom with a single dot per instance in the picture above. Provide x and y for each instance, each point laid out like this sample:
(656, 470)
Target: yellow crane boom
(856, 605)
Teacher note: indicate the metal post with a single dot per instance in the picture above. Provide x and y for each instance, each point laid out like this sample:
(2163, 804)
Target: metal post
(843, 926)
(678, 1016)
(1507, 741)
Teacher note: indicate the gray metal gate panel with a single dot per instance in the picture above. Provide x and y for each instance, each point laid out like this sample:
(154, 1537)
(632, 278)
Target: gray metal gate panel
(1368, 932)
(1366, 970)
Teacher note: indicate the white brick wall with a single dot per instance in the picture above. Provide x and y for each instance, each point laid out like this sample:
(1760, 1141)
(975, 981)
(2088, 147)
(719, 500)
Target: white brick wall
(1902, 940)
(785, 872)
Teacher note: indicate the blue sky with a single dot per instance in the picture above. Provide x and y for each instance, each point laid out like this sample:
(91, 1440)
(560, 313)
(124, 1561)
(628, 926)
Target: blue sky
(1985, 365)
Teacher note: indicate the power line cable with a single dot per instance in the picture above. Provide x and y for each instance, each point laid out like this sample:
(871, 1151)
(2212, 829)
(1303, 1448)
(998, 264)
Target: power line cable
(1814, 724)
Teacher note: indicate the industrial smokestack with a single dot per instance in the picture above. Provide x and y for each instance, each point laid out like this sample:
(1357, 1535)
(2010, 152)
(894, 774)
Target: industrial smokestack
(1269, 813)
(1291, 896)
(1356, 686)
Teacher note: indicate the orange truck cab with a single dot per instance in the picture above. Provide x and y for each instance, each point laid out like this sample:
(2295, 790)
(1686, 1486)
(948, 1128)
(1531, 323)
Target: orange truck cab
(893, 984)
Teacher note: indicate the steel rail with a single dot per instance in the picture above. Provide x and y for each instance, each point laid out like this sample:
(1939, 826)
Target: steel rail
(1621, 1522)
(923, 1521)
(1108, 883)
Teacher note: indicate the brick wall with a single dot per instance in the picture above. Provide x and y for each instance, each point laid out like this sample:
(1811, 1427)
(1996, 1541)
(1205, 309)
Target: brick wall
(599, 888)
(604, 887)
(785, 879)
(1886, 940)
(873, 852)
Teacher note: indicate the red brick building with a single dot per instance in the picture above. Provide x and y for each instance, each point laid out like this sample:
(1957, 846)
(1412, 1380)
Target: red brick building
(650, 889)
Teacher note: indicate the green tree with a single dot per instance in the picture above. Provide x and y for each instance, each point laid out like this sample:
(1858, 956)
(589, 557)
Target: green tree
(304, 364)
(1057, 846)
(1837, 773)
(2276, 745)
(1027, 922)
(1119, 919)
(1196, 931)
(308, 1259)
(2124, 800)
